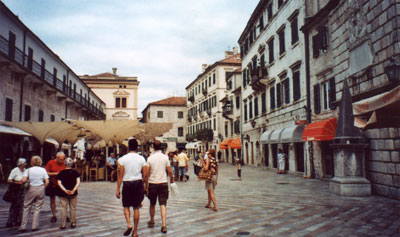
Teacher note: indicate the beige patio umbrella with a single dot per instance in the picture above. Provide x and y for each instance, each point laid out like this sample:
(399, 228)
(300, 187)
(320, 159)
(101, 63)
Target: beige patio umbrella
(152, 130)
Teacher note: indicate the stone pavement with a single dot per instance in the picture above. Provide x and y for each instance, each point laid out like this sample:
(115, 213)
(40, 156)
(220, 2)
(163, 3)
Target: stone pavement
(262, 204)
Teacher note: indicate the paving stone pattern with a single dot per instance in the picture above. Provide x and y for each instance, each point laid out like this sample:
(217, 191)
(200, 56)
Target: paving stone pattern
(262, 204)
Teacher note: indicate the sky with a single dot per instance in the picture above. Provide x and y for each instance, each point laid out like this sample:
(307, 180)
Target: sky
(162, 42)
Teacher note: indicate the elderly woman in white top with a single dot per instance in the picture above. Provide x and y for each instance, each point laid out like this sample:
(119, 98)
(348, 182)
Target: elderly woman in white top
(38, 180)
(17, 190)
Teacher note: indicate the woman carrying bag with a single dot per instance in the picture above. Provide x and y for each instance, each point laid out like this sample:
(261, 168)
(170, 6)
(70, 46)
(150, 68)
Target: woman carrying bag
(16, 193)
(211, 163)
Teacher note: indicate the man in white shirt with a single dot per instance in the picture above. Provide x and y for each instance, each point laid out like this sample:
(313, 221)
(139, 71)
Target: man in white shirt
(157, 186)
(132, 165)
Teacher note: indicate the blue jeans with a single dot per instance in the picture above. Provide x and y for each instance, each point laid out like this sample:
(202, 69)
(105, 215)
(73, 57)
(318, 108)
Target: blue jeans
(182, 171)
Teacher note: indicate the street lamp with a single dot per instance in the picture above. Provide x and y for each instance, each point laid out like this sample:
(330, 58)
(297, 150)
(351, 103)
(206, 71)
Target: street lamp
(392, 71)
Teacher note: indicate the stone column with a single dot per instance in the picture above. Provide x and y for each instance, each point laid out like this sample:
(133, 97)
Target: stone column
(348, 145)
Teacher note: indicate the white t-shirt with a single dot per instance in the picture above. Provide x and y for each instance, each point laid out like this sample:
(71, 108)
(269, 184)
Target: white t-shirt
(16, 174)
(36, 175)
(158, 163)
(133, 164)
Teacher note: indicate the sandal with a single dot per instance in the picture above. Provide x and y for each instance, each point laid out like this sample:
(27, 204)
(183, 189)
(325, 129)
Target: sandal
(207, 206)
(215, 209)
(150, 224)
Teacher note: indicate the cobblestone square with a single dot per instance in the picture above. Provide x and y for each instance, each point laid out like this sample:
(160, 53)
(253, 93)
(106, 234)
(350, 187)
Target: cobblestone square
(262, 204)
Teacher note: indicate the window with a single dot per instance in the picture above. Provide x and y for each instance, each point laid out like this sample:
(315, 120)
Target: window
(278, 95)
(261, 23)
(180, 131)
(209, 81)
(237, 102)
(226, 129)
(280, 3)
(271, 50)
(42, 68)
(215, 124)
(317, 99)
(281, 35)
(180, 114)
(320, 41)
(263, 103)
(52, 118)
(272, 97)
(269, 11)
(123, 102)
(117, 102)
(245, 112)
(296, 86)
(295, 30)
(9, 109)
(159, 114)
(255, 106)
(27, 114)
(244, 78)
(214, 78)
(250, 109)
(329, 94)
(55, 76)
(30, 59)
(41, 113)
(11, 44)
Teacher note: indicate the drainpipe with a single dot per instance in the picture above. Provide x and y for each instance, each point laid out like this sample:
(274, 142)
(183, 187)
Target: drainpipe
(308, 94)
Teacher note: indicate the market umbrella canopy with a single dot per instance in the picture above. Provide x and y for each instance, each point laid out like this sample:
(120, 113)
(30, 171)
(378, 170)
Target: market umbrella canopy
(110, 130)
(44, 130)
(152, 130)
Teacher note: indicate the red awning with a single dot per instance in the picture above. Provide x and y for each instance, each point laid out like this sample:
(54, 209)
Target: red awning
(224, 144)
(235, 143)
(320, 131)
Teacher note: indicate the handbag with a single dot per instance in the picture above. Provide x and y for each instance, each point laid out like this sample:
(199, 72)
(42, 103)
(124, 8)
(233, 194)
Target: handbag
(8, 195)
(206, 175)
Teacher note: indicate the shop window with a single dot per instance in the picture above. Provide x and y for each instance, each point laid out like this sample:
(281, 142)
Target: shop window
(9, 109)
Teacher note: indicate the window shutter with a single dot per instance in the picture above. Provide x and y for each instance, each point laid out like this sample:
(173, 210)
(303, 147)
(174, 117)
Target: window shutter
(245, 112)
(272, 97)
(317, 99)
(256, 106)
(332, 93)
(296, 85)
(263, 107)
(278, 95)
(323, 37)
(9, 109)
(287, 91)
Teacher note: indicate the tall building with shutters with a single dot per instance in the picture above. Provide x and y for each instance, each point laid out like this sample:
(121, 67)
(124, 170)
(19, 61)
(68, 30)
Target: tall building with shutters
(205, 121)
(36, 85)
(274, 87)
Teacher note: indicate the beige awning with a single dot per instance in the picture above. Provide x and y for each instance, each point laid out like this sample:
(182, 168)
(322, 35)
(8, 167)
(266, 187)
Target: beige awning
(12, 130)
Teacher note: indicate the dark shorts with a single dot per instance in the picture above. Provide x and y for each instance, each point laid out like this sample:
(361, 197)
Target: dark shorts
(52, 190)
(160, 191)
(132, 193)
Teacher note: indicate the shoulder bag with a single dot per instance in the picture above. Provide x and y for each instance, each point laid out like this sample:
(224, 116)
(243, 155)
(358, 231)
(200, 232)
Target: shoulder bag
(206, 175)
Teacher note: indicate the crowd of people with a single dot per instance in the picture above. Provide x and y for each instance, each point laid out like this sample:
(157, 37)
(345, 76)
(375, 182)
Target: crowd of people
(138, 176)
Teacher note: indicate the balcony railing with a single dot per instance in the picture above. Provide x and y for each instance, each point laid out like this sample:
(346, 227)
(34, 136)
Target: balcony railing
(25, 62)
(258, 74)
(191, 98)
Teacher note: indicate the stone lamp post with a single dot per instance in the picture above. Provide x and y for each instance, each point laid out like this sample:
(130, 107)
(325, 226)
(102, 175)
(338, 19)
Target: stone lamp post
(349, 157)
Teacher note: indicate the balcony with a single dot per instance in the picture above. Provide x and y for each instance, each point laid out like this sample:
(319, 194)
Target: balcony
(191, 98)
(205, 135)
(189, 117)
(204, 91)
(258, 76)
(190, 137)
(45, 76)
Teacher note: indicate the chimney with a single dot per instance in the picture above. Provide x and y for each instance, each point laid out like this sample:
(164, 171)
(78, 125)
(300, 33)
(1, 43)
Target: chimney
(203, 67)
(235, 50)
(228, 54)
(114, 71)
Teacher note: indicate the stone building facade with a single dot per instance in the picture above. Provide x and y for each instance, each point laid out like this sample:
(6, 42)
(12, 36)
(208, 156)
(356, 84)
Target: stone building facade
(205, 121)
(170, 110)
(361, 38)
(119, 93)
(36, 85)
(274, 86)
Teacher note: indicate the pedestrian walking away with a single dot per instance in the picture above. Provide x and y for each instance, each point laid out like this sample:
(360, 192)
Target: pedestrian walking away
(68, 182)
(38, 179)
(17, 190)
(211, 164)
(158, 166)
(54, 167)
(239, 169)
(182, 163)
(132, 166)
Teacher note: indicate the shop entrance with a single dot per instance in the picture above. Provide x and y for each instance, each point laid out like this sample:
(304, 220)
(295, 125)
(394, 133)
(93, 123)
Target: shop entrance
(274, 149)
(299, 154)
(266, 155)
